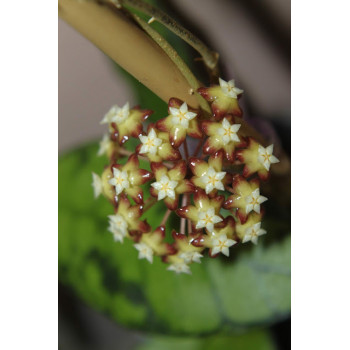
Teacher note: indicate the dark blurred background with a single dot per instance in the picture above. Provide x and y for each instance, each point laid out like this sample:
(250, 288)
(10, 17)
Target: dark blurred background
(253, 39)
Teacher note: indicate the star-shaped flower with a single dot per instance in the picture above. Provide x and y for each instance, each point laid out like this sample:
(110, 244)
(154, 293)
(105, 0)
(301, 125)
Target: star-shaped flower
(226, 228)
(116, 114)
(170, 183)
(253, 232)
(207, 219)
(96, 184)
(266, 158)
(186, 251)
(145, 252)
(229, 88)
(106, 146)
(253, 201)
(125, 122)
(181, 116)
(180, 267)
(223, 98)
(208, 175)
(108, 190)
(131, 215)
(246, 197)
(119, 180)
(150, 143)
(165, 187)
(222, 245)
(212, 180)
(228, 132)
(128, 178)
(154, 240)
(192, 256)
(179, 123)
(118, 227)
(251, 229)
(156, 146)
(256, 159)
(205, 213)
(222, 136)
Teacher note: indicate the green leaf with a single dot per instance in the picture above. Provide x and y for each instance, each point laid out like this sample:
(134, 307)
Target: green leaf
(222, 295)
(257, 340)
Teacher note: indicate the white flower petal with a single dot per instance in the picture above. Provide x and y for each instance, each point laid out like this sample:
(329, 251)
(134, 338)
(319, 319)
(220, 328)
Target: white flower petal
(208, 188)
(269, 149)
(183, 108)
(196, 257)
(104, 145)
(145, 252)
(274, 160)
(225, 251)
(191, 256)
(256, 208)
(96, 184)
(235, 127)
(143, 138)
(215, 250)
(190, 115)
(179, 268)
(161, 195)
(174, 111)
(235, 138)
(254, 239)
(143, 149)
(216, 219)
(246, 238)
(248, 208)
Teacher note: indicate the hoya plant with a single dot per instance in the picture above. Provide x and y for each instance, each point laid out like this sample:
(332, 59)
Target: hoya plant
(183, 233)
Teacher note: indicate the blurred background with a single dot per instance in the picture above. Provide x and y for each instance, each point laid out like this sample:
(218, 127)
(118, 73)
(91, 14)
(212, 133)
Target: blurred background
(253, 39)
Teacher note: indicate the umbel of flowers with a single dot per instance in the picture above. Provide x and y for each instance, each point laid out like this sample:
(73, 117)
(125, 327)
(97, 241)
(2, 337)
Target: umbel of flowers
(201, 168)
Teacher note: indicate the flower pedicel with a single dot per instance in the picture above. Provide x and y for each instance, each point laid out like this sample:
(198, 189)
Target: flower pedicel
(221, 170)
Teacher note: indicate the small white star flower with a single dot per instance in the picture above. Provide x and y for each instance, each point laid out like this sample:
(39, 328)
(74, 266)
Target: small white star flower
(265, 157)
(116, 114)
(208, 219)
(181, 115)
(253, 201)
(229, 88)
(96, 184)
(165, 187)
(253, 232)
(188, 257)
(228, 132)
(145, 251)
(179, 268)
(221, 245)
(150, 143)
(104, 145)
(118, 227)
(119, 180)
(212, 179)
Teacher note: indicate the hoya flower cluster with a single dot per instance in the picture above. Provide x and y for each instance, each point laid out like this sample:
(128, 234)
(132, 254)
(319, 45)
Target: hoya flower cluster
(201, 168)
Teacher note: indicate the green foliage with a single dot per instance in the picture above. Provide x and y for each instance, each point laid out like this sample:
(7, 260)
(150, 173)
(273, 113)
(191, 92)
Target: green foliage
(257, 340)
(222, 295)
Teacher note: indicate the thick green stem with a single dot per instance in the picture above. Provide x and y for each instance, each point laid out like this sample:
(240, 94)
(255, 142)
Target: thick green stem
(174, 56)
(210, 58)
